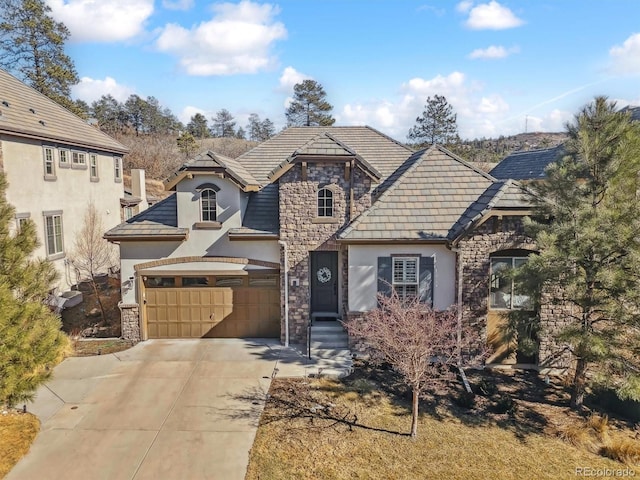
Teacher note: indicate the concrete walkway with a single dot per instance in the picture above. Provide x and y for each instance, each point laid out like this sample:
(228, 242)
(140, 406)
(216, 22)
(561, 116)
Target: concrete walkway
(164, 409)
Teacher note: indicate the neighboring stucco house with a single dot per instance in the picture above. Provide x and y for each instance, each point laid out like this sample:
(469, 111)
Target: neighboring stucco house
(56, 164)
(308, 227)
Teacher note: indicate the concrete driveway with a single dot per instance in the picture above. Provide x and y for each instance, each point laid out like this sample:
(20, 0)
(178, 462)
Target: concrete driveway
(164, 409)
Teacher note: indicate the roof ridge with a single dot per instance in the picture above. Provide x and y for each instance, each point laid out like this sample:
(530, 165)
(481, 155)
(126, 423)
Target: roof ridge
(535, 150)
(465, 163)
(389, 138)
(53, 102)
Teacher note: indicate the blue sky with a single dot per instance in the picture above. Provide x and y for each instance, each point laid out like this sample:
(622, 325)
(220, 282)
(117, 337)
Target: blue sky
(500, 64)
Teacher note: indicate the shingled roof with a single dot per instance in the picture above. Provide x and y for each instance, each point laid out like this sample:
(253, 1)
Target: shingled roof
(209, 161)
(529, 165)
(320, 147)
(376, 149)
(25, 112)
(635, 112)
(158, 222)
(504, 195)
(426, 197)
(262, 216)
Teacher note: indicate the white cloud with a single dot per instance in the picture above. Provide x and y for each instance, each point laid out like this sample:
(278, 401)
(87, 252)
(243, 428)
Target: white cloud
(626, 57)
(493, 52)
(491, 16)
(102, 20)
(189, 111)
(90, 89)
(177, 4)
(237, 39)
(465, 6)
(290, 77)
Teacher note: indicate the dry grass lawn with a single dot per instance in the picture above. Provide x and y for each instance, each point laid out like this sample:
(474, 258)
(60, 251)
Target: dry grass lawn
(305, 434)
(17, 432)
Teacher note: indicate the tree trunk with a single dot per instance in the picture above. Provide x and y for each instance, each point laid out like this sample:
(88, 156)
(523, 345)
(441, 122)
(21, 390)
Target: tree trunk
(414, 414)
(95, 290)
(579, 382)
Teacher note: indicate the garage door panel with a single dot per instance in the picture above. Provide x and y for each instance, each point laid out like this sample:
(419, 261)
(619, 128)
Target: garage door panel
(227, 312)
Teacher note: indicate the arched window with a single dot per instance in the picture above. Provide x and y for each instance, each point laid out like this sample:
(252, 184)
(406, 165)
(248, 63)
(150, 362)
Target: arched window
(208, 206)
(325, 203)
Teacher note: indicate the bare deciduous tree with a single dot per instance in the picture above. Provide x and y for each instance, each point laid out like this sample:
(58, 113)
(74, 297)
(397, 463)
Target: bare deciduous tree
(92, 254)
(423, 345)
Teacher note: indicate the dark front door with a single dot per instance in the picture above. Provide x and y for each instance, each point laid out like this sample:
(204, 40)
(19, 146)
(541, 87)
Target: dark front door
(324, 283)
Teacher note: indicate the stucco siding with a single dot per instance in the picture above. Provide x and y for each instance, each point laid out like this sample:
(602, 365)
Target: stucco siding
(69, 191)
(363, 280)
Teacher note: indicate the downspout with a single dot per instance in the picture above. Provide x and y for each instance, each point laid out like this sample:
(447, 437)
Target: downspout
(456, 250)
(286, 291)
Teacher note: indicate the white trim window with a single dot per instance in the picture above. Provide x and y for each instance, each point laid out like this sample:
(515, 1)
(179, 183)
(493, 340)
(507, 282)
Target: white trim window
(21, 220)
(78, 159)
(504, 295)
(208, 205)
(53, 233)
(405, 278)
(128, 213)
(325, 203)
(63, 158)
(49, 163)
(117, 169)
(93, 167)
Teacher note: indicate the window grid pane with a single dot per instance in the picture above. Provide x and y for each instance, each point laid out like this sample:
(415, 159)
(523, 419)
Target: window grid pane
(503, 294)
(405, 276)
(48, 161)
(64, 156)
(94, 165)
(325, 203)
(208, 205)
(53, 226)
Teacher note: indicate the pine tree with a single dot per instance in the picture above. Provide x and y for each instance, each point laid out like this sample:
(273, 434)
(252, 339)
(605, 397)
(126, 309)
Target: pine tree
(589, 261)
(31, 341)
(197, 126)
(223, 124)
(309, 106)
(32, 47)
(437, 124)
(187, 144)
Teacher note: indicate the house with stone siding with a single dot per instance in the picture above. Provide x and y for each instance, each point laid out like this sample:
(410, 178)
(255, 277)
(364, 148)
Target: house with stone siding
(306, 229)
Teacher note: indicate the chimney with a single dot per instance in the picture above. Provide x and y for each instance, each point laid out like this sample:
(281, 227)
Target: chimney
(138, 188)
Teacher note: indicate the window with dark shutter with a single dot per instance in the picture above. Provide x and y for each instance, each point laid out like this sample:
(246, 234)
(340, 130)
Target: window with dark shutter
(399, 273)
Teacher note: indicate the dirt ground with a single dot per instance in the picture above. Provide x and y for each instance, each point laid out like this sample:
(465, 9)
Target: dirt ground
(84, 320)
(520, 399)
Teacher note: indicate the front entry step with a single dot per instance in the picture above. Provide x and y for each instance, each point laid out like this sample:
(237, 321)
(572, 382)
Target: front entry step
(330, 348)
(329, 335)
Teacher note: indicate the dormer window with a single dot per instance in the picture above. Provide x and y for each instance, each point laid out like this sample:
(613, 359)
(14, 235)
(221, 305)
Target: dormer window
(325, 203)
(208, 205)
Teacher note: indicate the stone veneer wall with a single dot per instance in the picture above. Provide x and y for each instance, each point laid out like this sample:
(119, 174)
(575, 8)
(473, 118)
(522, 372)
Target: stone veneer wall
(130, 317)
(474, 253)
(298, 209)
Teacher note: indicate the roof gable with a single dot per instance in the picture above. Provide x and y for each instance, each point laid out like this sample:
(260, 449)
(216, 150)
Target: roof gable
(322, 148)
(380, 152)
(25, 112)
(212, 162)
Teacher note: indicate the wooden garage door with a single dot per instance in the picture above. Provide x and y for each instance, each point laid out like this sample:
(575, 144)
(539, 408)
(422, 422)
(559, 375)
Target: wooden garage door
(226, 312)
